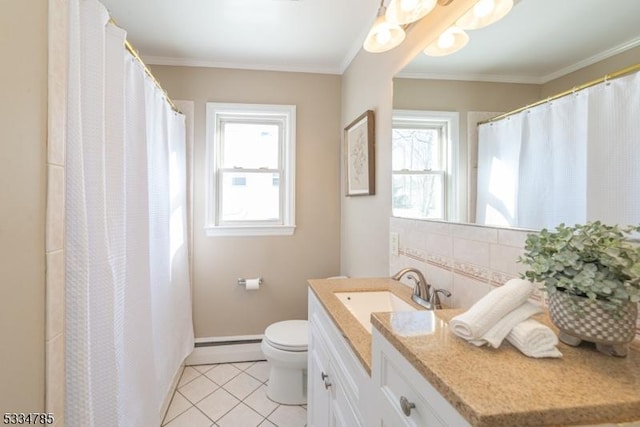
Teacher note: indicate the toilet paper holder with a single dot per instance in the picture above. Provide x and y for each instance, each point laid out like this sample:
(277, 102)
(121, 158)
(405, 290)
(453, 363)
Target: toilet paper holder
(243, 282)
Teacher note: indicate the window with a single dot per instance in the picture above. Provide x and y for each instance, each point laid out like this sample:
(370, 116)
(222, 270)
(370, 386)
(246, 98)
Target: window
(251, 169)
(421, 164)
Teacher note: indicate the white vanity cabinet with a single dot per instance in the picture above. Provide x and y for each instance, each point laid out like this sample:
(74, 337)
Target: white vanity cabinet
(403, 396)
(338, 387)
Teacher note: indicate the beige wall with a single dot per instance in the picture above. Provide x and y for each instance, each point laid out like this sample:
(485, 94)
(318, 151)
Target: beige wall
(367, 84)
(23, 125)
(221, 308)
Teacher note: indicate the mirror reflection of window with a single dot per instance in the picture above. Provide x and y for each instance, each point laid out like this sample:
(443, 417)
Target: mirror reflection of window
(421, 147)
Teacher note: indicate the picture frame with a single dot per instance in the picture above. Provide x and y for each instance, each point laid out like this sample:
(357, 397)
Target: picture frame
(359, 156)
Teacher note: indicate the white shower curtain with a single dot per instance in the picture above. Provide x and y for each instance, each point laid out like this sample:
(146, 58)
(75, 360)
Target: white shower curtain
(553, 164)
(498, 171)
(614, 150)
(572, 160)
(128, 309)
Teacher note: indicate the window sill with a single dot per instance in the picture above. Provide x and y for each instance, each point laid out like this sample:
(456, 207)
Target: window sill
(267, 230)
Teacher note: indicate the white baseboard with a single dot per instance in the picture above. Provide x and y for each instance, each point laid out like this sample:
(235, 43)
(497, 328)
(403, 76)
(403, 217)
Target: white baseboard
(225, 350)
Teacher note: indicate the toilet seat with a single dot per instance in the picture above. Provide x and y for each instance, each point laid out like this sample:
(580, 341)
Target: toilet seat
(288, 335)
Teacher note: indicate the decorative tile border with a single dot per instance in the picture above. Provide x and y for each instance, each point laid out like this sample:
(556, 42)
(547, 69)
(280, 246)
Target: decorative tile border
(498, 278)
(428, 258)
(472, 271)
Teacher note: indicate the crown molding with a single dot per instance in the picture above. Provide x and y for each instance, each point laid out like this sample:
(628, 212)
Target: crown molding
(188, 62)
(492, 78)
(592, 60)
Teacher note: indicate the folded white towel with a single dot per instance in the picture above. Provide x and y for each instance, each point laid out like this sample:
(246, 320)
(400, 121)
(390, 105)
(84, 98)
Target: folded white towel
(500, 330)
(484, 314)
(534, 339)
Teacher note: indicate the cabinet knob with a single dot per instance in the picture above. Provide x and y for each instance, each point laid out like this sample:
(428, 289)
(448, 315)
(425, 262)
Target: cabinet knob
(406, 406)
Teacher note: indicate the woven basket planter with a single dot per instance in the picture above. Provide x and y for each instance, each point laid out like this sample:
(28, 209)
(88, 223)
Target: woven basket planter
(592, 323)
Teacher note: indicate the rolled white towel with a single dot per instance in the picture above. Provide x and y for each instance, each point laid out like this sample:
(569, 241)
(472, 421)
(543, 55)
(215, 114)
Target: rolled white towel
(475, 322)
(500, 330)
(534, 339)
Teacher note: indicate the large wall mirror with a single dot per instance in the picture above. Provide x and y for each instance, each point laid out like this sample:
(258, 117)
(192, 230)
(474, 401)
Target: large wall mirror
(541, 48)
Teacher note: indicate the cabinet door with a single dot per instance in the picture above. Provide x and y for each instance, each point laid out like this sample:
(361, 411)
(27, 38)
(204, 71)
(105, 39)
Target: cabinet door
(318, 395)
(342, 413)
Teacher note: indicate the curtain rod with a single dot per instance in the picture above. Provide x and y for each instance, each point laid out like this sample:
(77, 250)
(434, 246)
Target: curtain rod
(605, 78)
(135, 54)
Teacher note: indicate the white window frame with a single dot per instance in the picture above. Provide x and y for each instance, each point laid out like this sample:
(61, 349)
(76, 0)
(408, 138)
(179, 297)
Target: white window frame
(285, 115)
(451, 153)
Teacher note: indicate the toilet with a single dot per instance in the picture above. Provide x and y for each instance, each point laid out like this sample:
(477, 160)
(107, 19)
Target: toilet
(285, 347)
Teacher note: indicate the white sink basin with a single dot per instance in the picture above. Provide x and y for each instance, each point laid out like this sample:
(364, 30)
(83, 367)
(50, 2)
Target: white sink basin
(362, 304)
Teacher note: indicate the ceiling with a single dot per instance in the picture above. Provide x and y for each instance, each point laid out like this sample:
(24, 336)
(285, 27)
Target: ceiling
(319, 36)
(537, 41)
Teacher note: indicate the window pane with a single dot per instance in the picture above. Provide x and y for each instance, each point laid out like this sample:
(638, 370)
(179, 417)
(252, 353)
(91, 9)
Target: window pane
(250, 145)
(418, 196)
(416, 149)
(250, 196)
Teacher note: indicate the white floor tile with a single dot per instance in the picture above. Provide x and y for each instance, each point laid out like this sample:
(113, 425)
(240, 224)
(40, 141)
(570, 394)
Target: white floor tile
(260, 371)
(242, 385)
(221, 374)
(259, 402)
(202, 368)
(289, 416)
(217, 404)
(192, 418)
(241, 416)
(189, 374)
(179, 404)
(197, 389)
(243, 365)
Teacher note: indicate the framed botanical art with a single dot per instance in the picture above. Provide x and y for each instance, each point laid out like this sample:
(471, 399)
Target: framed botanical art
(359, 156)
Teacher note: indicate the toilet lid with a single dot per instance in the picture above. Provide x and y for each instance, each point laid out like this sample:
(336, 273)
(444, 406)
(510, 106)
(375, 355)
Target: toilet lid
(288, 335)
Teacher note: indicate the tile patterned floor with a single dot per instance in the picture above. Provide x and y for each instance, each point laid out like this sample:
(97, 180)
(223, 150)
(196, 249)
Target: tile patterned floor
(229, 395)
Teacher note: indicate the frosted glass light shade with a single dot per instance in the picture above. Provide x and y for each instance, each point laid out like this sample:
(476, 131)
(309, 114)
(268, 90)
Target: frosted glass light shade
(406, 11)
(483, 13)
(383, 35)
(451, 40)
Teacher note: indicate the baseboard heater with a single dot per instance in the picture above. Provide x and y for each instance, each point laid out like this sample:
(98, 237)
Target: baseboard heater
(219, 343)
(225, 350)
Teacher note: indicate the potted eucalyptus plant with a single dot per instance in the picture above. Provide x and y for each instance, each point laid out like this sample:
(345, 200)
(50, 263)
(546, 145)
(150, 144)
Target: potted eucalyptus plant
(592, 276)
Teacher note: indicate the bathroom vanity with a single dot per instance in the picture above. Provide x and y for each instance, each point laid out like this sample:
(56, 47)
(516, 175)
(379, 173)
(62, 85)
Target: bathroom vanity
(412, 371)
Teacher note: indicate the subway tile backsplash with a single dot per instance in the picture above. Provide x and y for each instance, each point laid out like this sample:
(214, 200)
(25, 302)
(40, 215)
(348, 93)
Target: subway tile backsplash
(466, 260)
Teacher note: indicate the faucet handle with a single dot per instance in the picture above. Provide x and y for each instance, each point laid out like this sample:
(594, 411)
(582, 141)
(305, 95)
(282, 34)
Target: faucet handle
(434, 299)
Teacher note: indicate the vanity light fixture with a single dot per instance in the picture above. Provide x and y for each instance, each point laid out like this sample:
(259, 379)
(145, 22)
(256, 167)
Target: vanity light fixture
(384, 35)
(451, 40)
(407, 11)
(483, 13)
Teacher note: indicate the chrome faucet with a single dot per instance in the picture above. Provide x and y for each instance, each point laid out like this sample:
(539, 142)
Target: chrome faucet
(421, 288)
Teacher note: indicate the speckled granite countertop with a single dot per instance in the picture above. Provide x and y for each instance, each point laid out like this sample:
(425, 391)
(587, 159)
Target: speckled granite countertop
(494, 387)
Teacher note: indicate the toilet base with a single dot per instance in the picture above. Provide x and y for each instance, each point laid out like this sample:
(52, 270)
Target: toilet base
(287, 386)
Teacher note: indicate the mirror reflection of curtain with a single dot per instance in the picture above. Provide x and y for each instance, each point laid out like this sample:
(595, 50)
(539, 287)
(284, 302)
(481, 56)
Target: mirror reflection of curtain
(473, 119)
(553, 160)
(498, 171)
(614, 151)
(572, 160)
